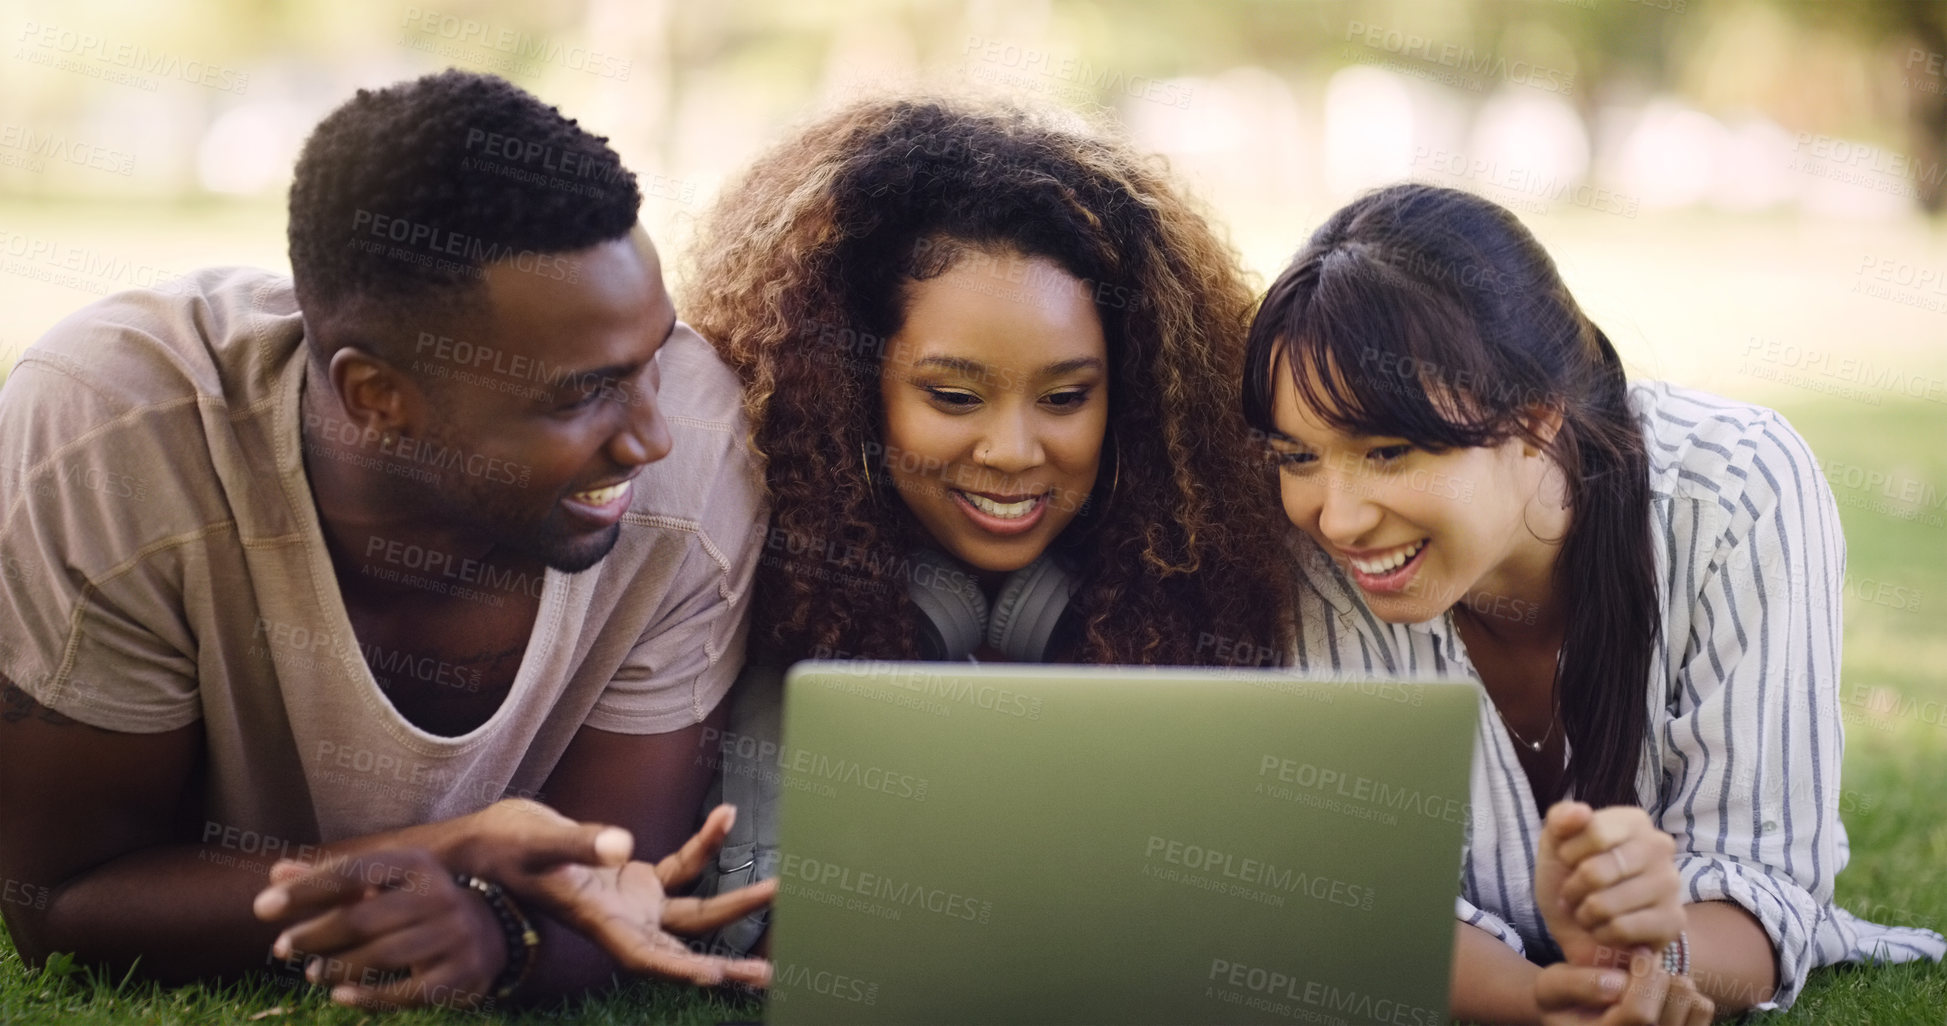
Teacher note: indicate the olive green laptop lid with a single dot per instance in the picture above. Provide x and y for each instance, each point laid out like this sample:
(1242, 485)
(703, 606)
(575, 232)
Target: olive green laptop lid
(1032, 844)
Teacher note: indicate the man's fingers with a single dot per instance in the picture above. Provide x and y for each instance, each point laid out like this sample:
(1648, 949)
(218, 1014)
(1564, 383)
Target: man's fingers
(687, 862)
(311, 894)
(1562, 986)
(368, 963)
(348, 926)
(695, 915)
(591, 844)
(669, 959)
(331, 884)
(517, 836)
(751, 972)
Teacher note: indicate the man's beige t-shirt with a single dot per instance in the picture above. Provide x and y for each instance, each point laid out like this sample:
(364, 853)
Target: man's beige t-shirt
(161, 563)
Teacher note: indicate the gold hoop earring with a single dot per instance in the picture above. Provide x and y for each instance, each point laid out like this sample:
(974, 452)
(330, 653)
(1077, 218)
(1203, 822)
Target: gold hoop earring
(866, 462)
(1115, 481)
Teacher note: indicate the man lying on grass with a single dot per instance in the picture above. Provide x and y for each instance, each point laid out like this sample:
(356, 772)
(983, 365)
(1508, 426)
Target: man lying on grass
(323, 569)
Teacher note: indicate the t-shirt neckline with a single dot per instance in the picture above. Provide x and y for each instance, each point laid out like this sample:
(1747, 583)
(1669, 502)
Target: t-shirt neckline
(331, 602)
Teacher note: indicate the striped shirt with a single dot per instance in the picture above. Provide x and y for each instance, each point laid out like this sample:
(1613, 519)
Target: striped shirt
(1741, 759)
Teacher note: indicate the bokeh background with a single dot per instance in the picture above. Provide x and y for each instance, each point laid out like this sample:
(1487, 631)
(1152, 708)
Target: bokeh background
(1743, 193)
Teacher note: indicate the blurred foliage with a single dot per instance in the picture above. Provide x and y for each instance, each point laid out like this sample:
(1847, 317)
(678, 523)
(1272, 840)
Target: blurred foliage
(1828, 66)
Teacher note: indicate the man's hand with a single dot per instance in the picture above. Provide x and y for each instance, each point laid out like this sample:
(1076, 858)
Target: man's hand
(1606, 880)
(579, 873)
(363, 922)
(626, 909)
(1644, 995)
(515, 842)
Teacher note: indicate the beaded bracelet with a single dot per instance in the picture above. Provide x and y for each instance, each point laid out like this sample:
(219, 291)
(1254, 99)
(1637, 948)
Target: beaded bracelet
(523, 942)
(1676, 955)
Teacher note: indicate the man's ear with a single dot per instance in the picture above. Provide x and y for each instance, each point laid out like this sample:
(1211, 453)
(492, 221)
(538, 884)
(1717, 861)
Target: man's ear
(375, 395)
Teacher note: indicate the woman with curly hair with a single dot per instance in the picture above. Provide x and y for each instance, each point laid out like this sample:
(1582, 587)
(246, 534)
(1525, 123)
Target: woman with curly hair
(992, 365)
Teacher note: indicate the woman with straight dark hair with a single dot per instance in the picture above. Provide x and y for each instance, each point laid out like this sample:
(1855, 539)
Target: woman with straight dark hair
(1644, 579)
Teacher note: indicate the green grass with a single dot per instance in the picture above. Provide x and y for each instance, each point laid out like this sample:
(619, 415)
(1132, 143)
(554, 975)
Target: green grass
(1894, 807)
(68, 994)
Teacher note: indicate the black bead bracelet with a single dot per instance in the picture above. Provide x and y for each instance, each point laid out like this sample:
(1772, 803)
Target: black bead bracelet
(523, 941)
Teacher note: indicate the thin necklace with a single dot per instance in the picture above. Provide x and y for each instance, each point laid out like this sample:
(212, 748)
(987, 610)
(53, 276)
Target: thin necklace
(1554, 689)
(1533, 746)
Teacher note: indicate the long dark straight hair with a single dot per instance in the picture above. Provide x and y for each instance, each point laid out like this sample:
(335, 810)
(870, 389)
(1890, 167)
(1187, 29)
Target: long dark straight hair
(1432, 315)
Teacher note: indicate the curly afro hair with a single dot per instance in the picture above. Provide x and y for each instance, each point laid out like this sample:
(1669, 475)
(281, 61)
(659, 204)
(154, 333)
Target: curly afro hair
(804, 271)
(403, 195)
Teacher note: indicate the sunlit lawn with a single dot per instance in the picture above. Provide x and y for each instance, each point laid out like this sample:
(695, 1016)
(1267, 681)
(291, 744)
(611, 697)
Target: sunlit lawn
(1896, 650)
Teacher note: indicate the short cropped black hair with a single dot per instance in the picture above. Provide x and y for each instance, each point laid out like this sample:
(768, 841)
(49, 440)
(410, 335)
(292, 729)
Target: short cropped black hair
(403, 195)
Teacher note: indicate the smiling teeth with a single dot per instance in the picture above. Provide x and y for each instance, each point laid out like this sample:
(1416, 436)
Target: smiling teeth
(1383, 564)
(1003, 510)
(602, 496)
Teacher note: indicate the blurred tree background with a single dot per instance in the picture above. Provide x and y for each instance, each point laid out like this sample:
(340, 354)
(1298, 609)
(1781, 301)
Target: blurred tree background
(138, 140)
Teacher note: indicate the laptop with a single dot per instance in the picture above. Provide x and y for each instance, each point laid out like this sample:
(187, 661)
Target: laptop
(1037, 844)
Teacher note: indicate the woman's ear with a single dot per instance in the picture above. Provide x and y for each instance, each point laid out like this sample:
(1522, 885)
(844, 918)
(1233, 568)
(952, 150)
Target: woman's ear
(1542, 423)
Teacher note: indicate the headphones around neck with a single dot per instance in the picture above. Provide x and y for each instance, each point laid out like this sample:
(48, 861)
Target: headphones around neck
(1027, 620)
